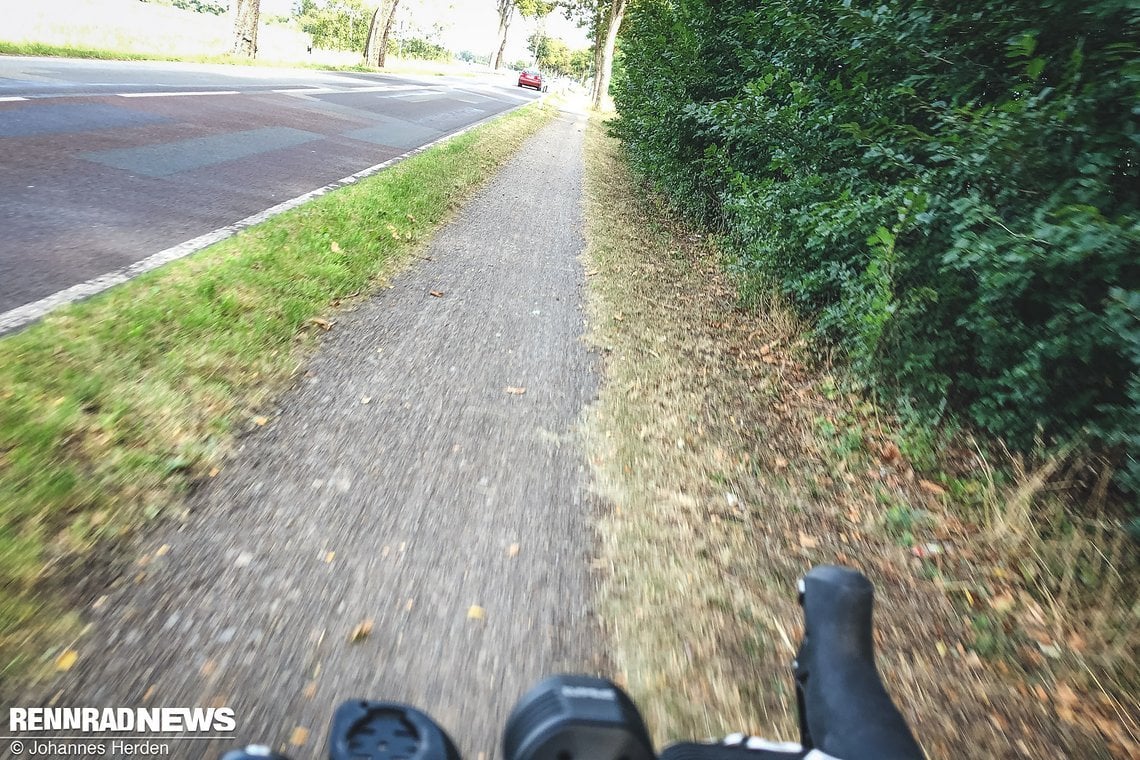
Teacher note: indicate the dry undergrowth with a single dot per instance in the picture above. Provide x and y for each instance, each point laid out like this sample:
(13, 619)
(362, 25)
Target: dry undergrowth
(731, 466)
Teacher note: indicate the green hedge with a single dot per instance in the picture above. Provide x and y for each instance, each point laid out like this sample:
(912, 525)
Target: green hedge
(949, 190)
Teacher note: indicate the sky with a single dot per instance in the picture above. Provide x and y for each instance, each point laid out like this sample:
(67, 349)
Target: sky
(469, 24)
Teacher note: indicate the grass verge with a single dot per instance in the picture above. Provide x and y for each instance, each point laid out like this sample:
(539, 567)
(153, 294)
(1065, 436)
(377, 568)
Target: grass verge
(732, 464)
(407, 67)
(112, 408)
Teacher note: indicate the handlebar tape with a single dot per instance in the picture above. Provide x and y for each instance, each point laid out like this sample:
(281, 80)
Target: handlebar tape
(844, 709)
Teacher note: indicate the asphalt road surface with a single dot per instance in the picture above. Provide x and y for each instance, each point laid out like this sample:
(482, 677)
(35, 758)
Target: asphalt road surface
(104, 163)
(407, 479)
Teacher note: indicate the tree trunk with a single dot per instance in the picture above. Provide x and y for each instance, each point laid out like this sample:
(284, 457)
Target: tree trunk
(372, 42)
(602, 76)
(506, 11)
(246, 13)
(376, 47)
(387, 32)
(600, 19)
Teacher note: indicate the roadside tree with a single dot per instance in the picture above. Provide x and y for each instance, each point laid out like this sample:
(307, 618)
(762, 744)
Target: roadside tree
(506, 9)
(376, 46)
(246, 13)
(602, 18)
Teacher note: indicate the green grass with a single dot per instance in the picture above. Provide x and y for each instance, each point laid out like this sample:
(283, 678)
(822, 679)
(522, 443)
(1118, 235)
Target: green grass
(111, 408)
(409, 66)
(66, 51)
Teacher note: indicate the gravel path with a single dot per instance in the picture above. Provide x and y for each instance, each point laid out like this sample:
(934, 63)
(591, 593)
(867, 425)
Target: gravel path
(400, 482)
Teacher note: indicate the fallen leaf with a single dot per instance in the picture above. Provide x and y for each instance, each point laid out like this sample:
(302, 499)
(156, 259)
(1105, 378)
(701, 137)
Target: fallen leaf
(149, 693)
(214, 472)
(513, 550)
(310, 690)
(410, 218)
(335, 247)
(808, 542)
(436, 293)
(261, 421)
(162, 550)
(366, 399)
(929, 549)
(931, 487)
(208, 668)
(619, 317)
(324, 324)
(941, 647)
(1065, 694)
(475, 612)
(66, 660)
(411, 603)
(780, 463)
(330, 557)
(361, 631)
(299, 736)
(515, 390)
(99, 602)
(890, 452)
(1002, 602)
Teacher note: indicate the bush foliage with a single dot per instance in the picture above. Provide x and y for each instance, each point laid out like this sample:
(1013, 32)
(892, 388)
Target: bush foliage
(948, 189)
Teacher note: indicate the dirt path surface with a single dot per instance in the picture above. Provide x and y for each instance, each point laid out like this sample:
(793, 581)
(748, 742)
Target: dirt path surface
(405, 480)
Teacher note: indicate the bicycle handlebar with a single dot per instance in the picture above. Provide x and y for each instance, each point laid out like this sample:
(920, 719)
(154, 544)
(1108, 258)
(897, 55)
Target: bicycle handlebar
(844, 708)
(845, 712)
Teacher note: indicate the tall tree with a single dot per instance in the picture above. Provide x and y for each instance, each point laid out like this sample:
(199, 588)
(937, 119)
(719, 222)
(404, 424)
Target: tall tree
(603, 20)
(616, 12)
(507, 8)
(246, 14)
(376, 47)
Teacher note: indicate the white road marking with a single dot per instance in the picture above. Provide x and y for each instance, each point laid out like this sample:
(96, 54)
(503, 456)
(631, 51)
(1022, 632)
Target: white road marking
(11, 99)
(30, 312)
(385, 88)
(174, 94)
(307, 91)
(348, 90)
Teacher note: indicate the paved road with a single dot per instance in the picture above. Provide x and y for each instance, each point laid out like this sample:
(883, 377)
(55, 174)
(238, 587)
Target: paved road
(104, 163)
(403, 510)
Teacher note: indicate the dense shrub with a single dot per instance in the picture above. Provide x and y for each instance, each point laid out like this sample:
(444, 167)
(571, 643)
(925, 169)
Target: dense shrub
(948, 189)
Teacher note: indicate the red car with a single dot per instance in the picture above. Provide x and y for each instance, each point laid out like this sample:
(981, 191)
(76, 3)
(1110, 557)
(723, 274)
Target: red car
(532, 78)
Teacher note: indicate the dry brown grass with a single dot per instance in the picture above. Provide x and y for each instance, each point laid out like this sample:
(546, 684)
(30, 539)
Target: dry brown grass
(730, 465)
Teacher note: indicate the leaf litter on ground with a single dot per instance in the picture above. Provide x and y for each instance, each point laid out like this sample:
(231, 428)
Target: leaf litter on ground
(736, 400)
